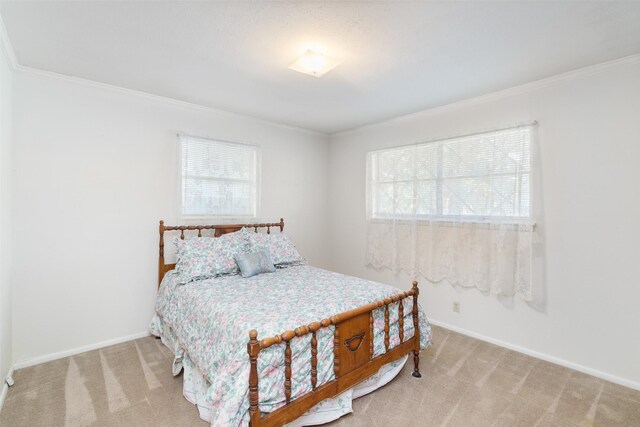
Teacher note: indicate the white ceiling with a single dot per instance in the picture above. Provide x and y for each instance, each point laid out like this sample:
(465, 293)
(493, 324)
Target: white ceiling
(397, 57)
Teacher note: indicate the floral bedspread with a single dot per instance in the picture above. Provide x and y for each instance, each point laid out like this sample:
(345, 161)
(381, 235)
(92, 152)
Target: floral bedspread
(212, 318)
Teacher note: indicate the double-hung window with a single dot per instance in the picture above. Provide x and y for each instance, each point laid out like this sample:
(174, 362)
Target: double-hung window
(218, 178)
(483, 177)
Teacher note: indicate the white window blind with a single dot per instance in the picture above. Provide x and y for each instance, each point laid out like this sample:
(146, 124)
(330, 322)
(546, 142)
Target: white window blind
(483, 177)
(218, 178)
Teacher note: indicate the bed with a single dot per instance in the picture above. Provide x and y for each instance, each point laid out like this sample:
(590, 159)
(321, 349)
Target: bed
(293, 346)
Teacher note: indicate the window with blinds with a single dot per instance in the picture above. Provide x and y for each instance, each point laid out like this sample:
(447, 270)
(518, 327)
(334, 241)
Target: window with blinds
(219, 179)
(483, 177)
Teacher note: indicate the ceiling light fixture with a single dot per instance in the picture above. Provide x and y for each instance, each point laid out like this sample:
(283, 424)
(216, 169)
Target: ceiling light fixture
(313, 63)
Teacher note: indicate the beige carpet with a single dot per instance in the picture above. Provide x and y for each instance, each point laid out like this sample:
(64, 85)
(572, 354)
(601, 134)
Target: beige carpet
(465, 382)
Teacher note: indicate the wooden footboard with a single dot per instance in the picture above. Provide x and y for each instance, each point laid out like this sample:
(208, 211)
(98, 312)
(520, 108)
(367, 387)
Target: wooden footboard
(353, 356)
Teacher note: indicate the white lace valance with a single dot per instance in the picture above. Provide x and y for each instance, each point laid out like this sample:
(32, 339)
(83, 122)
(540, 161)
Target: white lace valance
(457, 209)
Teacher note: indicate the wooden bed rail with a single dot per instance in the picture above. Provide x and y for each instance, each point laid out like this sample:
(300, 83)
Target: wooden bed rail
(353, 349)
(218, 230)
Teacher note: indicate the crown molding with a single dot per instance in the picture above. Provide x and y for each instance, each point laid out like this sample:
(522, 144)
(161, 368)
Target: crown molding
(492, 96)
(16, 66)
(157, 98)
(7, 47)
(501, 94)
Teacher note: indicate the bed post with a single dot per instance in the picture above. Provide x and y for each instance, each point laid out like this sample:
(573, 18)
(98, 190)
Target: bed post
(161, 259)
(253, 348)
(416, 332)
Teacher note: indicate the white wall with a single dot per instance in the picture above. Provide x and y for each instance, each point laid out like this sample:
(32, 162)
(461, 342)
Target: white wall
(5, 208)
(95, 171)
(589, 137)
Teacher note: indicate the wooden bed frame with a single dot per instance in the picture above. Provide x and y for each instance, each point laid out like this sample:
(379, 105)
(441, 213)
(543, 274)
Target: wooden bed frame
(353, 356)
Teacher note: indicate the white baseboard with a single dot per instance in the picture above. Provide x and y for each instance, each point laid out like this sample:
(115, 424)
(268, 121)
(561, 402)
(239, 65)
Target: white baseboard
(543, 356)
(73, 351)
(5, 388)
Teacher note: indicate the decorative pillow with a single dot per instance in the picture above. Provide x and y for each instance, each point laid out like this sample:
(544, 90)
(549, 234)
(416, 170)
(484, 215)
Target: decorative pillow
(205, 257)
(253, 263)
(281, 249)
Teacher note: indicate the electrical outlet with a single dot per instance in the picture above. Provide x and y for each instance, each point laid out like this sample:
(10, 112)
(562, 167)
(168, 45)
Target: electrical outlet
(456, 306)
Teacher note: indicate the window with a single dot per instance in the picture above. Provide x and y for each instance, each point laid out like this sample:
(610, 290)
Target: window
(218, 178)
(479, 178)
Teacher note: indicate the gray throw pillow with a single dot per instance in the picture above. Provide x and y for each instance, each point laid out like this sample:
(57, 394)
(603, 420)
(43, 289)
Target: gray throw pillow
(252, 263)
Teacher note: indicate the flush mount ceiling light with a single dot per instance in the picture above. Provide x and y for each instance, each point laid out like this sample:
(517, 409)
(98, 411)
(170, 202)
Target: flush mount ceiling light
(313, 63)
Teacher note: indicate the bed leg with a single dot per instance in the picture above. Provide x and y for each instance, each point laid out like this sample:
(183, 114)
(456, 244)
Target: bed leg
(416, 363)
(253, 348)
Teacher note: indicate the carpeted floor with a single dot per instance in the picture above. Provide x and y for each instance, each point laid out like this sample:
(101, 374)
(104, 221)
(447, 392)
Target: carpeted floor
(465, 382)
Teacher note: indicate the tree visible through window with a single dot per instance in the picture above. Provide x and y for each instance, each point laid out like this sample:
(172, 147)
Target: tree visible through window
(218, 178)
(483, 177)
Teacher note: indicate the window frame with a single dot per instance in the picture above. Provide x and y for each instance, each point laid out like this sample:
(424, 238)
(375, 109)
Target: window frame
(372, 197)
(182, 176)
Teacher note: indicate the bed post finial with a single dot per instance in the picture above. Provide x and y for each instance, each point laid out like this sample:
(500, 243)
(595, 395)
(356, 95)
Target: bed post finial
(253, 348)
(281, 224)
(416, 332)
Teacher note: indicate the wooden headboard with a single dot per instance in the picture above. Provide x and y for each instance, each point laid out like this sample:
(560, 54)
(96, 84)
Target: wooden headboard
(217, 231)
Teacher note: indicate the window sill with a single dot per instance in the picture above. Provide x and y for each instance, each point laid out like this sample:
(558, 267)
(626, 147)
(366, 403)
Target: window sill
(460, 222)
